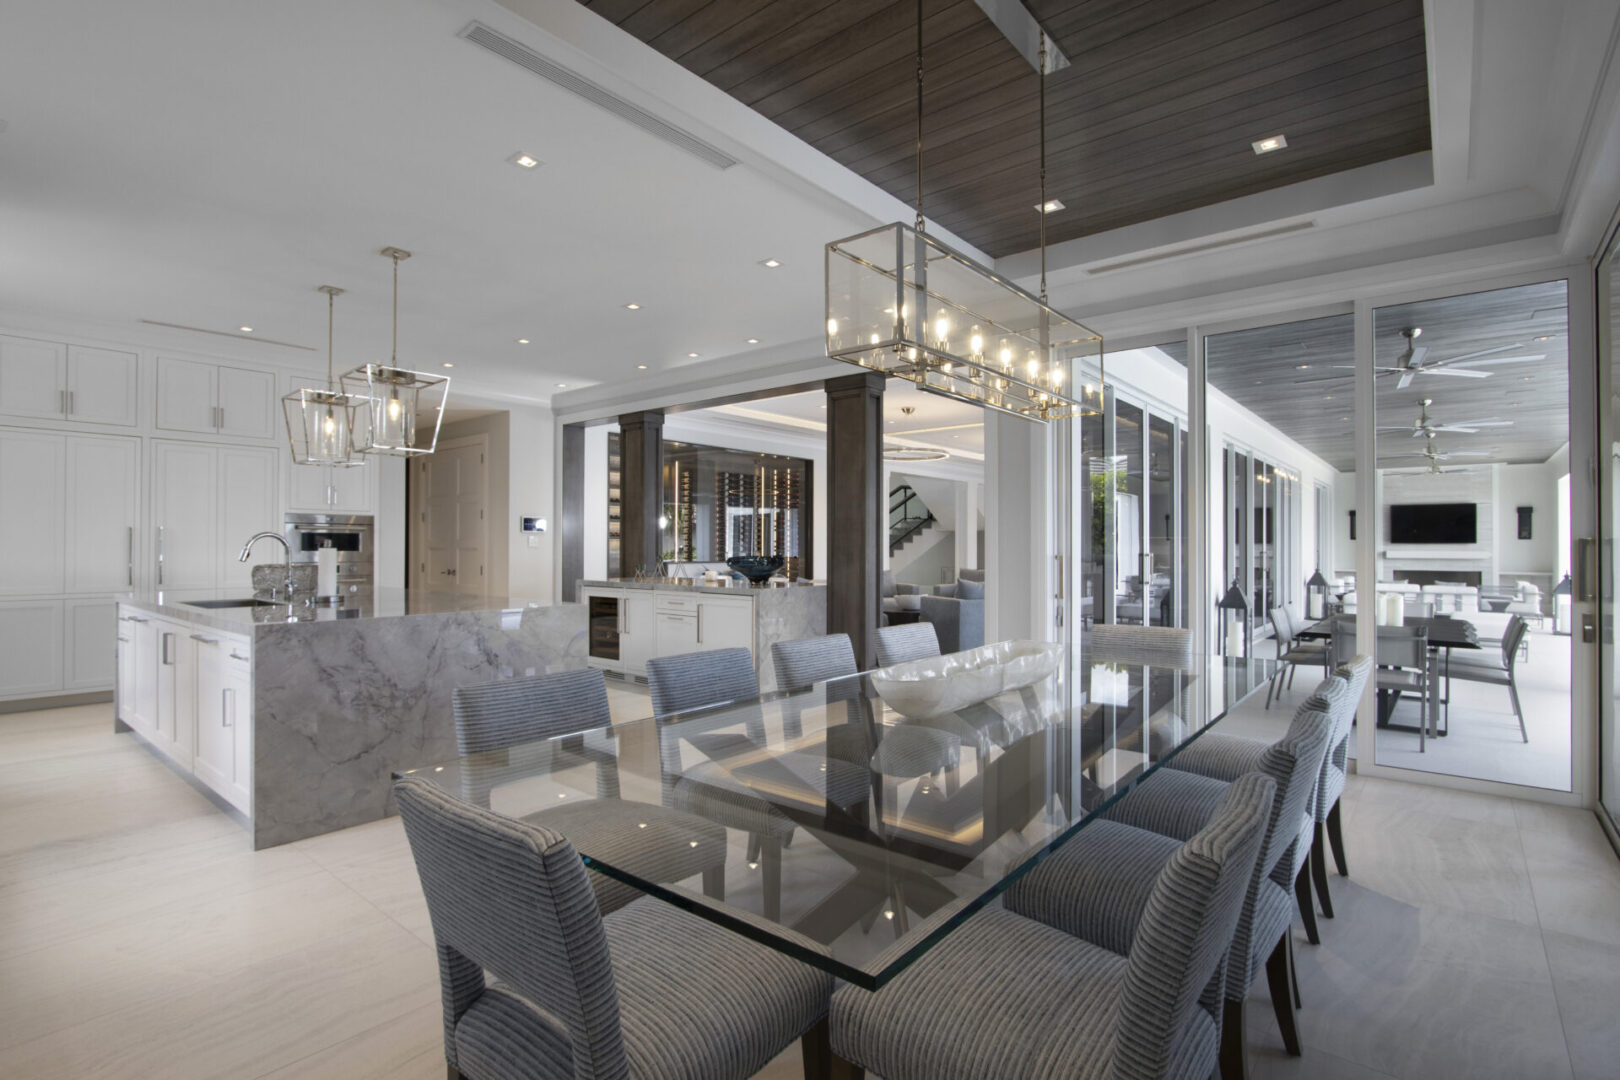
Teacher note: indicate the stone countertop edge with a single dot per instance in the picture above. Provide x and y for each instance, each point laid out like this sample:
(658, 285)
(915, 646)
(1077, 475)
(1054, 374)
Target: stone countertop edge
(241, 621)
(692, 585)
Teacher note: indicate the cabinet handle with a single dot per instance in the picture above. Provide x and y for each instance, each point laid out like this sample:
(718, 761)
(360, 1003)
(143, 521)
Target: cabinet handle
(237, 656)
(700, 624)
(130, 543)
(225, 707)
(205, 640)
(125, 640)
(163, 656)
(132, 618)
(70, 407)
(160, 554)
(61, 402)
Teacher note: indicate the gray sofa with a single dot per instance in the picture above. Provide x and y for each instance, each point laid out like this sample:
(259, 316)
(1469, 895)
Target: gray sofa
(958, 620)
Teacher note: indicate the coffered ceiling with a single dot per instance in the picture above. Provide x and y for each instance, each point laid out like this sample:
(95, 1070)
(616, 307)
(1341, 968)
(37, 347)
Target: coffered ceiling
(1155, 114)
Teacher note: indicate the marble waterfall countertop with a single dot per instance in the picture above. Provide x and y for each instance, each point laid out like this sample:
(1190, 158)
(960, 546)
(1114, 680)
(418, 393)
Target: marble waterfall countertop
(730, 585)
(203, 607)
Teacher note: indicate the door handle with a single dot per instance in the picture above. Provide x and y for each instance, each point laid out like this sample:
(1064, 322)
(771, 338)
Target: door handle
(1585, 569)
(160, 554)
(130, 543)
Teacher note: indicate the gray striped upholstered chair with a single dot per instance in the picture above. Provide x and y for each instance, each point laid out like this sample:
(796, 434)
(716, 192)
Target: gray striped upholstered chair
(1006, 997)
(515, 716)
(1329, 787)
(648, 991)
(1177, 802)
(1156, 646)
(691, 681)
(910, 641)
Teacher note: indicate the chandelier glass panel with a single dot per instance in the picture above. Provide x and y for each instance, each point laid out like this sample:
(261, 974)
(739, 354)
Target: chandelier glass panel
(397, 400)
(904, 303)
(325, 425)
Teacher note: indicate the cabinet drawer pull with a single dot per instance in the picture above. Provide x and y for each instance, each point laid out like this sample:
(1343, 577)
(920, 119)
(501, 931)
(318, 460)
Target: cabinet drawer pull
(132, 618)
(125, 640)
(205, 640)
(225, 707)
(238, 656)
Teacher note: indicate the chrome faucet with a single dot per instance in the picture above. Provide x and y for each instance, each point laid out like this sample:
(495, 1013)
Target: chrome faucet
(278, 538)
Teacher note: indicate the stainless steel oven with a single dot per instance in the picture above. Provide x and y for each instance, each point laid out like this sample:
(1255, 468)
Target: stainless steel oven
(349, 534)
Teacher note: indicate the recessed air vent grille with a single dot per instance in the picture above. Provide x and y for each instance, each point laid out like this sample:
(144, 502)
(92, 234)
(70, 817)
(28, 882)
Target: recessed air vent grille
(1193, 249)
(523, 56)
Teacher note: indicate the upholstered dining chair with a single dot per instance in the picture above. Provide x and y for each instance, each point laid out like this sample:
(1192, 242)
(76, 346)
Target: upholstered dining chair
(909, 641)
(1325, 822)
(1179, 800)
(663, 844)
(1290, 652)
(1124, 643)
(649, 991)
(689, 681)
(1488, 668)
(1004, 996)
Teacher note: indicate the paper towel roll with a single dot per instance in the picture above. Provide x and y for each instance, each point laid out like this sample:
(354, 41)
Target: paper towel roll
(326, 571)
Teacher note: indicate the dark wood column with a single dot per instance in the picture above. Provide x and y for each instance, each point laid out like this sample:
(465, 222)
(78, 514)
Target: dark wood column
(572, 526)
(855, 515)
(641, 491)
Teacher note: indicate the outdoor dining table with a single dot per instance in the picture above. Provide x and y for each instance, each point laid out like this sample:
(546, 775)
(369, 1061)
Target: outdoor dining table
(1446, 633)
(886, 850)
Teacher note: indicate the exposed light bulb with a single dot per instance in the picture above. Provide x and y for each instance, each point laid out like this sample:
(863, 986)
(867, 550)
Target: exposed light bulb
(393, 409)
(942, 328)
(832, 326)
(1057, 376)
(1006, 358)
(1034, 368)
(875, 339)
(975, 345)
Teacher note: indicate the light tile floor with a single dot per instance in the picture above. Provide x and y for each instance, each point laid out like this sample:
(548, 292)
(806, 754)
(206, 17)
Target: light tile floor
(139, 935)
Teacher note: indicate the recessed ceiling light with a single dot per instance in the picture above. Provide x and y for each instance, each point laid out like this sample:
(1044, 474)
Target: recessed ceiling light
(753, 341)
(770, 264)
(1050, 206)
(641, 367)
(245, 329)
(524, 161)
(1527, 378)
(1327, 397)
(633, 307)
(1270, 143)
(1304, 367)
(1344, 418)
(523, 341)
(693, 355)
(1545, 337)
(561, 385)
(447, 364)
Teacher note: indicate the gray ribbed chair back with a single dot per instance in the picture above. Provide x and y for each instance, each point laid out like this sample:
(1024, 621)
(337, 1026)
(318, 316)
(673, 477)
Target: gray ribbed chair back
(1336, 765)
(512, 898)
(497, 715)
(1295, 762)
(1159, 646)
(911, 641)
(1186, 930)
(694, 680)
(801, 664)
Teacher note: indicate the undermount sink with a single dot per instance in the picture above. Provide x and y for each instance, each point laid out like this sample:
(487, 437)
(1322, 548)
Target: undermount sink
(248, 602)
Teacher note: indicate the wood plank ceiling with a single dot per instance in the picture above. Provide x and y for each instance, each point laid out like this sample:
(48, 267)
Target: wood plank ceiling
(1154, 116)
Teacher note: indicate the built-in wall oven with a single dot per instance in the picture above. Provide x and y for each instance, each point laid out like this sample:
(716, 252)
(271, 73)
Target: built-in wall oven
(349, 534)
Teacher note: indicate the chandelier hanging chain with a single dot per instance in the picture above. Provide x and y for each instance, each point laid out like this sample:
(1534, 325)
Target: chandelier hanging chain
(393, 359)
(1041, 74)
(919, 115)
(331, 307)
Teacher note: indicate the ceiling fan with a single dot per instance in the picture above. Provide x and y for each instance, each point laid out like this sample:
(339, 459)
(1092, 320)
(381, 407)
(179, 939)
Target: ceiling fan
(1425, 424)
(1434, 456)
(1414, 361)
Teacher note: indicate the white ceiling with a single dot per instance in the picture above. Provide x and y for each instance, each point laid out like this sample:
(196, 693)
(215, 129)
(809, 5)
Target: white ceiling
(934, 421)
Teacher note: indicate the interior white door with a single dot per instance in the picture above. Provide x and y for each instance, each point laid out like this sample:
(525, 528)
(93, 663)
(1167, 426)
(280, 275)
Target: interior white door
(31, 471)
(185, 501)
(89, 644)
(103, 483)
(101, 386)
(453, 515)
(33, 377)
(30, 647)
(186, 395)
(247, 403)
(247, 502)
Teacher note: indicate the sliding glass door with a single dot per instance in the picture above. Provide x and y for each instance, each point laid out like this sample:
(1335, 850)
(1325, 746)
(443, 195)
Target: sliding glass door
(1608, 368)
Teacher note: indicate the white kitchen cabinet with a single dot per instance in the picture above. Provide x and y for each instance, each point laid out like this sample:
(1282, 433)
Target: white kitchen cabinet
(33, 377)
(638, 636)
(101, 496)
(224, 758)
(327, 489)
(175, 720)
(213, 399)
(30, 647)
(185, 520)
(123, 700)
(141, 713)
(725, 622)
(89, 643)
(31, 497)
(101, 386)
(676, 634)
(247, 504)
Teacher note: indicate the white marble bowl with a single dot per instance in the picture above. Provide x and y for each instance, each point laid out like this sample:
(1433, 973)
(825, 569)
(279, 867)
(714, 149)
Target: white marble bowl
(937, 685)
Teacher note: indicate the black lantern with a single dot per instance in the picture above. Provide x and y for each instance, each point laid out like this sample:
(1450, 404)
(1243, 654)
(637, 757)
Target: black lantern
(1234, 601)
(1316, 593)
(1563, 606)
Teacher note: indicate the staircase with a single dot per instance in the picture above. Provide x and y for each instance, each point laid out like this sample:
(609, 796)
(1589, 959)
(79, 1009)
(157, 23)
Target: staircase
(908, 517)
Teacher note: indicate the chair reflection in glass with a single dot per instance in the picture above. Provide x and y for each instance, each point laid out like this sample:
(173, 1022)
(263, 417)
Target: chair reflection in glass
(1404, 664)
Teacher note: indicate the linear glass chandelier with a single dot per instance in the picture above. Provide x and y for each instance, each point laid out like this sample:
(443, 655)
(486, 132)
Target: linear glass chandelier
(325, 425)
(904, 303)
(396, 397)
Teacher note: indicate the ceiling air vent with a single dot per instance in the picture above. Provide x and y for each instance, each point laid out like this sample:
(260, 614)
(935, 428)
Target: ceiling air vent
(1193, 249)
(525, 57)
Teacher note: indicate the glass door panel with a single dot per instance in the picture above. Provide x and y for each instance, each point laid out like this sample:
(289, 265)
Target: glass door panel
(1130, 552)
(1608, 342)
(1161, 566)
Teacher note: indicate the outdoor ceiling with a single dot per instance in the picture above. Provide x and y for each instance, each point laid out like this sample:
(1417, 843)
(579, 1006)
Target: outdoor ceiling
(1155, 115)
(1299, 377)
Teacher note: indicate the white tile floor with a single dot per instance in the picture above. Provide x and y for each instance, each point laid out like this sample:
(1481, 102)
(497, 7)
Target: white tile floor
(139, 936)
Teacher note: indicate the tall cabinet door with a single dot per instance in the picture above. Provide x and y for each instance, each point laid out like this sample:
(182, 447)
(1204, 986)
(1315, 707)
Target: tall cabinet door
(31, 471)
(90, 650)
(103, 481)
(33, 375)
(30, 647)
(101, 386)
(185, 519)
(247, 403)
(247, 502)
(186, 395)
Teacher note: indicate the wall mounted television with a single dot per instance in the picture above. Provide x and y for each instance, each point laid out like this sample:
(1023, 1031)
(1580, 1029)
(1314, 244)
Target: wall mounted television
(1433, 523)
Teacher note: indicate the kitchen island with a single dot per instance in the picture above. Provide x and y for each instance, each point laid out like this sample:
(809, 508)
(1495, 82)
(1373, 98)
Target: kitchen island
(297, 716)
(633, 621)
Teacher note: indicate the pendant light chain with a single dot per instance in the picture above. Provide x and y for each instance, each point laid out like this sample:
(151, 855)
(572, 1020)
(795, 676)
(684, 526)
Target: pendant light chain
(393, 360)
(919, 115)
(1041, 74)
(331, 306)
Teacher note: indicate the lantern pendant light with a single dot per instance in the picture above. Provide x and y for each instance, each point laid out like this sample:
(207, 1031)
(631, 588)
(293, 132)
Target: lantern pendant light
(396, 398)
(324, 426)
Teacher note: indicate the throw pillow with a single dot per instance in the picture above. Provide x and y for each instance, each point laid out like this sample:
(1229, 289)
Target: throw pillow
(969, 590)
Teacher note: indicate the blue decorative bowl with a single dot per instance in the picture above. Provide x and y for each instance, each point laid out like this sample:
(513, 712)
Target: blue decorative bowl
(756, 568)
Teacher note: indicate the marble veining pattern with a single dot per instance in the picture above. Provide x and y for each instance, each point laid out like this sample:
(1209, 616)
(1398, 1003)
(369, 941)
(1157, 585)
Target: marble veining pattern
(785, 615)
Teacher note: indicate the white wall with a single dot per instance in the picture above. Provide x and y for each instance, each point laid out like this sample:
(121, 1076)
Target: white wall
(519, 482)
(594, 534)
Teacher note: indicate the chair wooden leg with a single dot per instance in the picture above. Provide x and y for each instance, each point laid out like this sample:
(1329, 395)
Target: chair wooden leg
(1319, 876)
(1335, 835)
(770, 866)
(714, 882)
(817, 1051)
(451, 1072)
(843, 1070)
(1234, 1061)
(1293, 973)
(1307, 909)
(1282, 999)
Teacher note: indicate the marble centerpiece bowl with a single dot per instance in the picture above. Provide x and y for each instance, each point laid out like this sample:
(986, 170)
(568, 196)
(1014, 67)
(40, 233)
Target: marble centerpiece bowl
(938, 685)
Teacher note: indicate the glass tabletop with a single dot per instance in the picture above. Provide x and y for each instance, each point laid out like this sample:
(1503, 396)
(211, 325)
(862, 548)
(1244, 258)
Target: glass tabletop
(855, 823)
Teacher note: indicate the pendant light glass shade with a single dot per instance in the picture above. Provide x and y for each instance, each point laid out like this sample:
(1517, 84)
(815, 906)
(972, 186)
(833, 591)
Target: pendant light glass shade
(325, 426)
(404, 408)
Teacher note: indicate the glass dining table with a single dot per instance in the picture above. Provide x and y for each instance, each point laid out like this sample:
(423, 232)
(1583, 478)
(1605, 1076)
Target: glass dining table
(858, 836)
